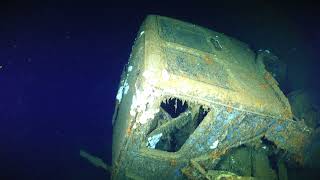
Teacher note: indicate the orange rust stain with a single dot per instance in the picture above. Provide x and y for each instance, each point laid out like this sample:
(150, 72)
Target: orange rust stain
(217, 154)
(229, 109)
(208, 60)
(173, 162)
(267, 76)
(287, 114)
(264, 86)
(129, 130)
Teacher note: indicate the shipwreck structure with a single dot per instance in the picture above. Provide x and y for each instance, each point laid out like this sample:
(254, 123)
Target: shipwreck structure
(187, 96)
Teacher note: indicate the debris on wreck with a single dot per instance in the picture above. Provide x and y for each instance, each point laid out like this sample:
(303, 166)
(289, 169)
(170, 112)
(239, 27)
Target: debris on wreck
(98, 162)
(202, 105)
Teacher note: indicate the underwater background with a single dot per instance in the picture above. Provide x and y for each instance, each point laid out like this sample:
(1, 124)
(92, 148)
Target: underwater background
(61, 61)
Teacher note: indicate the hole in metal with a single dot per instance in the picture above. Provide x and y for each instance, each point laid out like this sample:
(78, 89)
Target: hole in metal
(173, 125)
(174, 106)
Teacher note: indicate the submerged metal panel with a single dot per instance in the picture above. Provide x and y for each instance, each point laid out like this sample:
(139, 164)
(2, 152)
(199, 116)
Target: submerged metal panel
(184, 34)
(189, 94)
(197, 68)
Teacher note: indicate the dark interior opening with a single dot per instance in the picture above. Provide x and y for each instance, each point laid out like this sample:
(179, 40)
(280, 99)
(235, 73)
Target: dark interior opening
(273, 157)
(176, 129)
(265, 141)
(174, 107)
(216, 44)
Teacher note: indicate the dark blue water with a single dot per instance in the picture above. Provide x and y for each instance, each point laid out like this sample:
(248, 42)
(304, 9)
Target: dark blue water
(60, 64)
